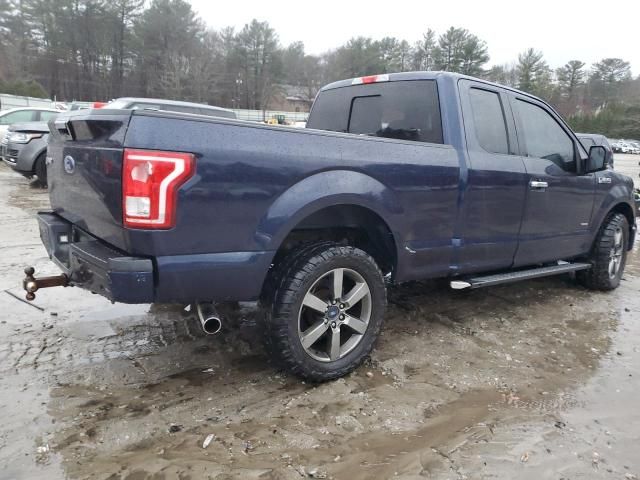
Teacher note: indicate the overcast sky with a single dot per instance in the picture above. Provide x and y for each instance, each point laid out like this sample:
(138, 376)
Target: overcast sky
(563, 30)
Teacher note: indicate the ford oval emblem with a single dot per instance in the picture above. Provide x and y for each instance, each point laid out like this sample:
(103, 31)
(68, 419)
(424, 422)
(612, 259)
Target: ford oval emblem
(69, 164)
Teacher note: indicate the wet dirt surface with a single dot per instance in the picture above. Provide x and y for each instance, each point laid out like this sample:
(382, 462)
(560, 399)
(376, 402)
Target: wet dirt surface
(532, 380)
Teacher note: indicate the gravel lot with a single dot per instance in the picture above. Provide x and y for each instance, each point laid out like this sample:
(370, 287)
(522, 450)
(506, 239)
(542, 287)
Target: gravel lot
(532, 380)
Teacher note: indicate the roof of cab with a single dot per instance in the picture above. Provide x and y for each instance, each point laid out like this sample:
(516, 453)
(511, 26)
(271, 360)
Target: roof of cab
(392, 77)
(418, 75)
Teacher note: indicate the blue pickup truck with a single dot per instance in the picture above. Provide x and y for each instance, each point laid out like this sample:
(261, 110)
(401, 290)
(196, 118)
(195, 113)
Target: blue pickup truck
(397, 177)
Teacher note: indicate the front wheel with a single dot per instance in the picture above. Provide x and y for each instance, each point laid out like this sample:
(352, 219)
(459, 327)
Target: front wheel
(326, 311)
(608, 255)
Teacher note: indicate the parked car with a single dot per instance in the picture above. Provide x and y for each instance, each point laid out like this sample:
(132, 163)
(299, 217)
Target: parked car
(24, 149)
(170, 106)
(625, 147)
(635, 148)
(22, 115)
(397, 177)
(588, 140)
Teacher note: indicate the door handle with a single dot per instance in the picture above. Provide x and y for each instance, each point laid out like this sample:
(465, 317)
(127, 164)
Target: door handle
(538, 184)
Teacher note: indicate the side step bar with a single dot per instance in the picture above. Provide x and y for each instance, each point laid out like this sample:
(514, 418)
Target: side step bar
(508, 277)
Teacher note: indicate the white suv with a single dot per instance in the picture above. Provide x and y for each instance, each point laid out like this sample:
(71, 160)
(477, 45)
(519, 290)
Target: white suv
(23, 115)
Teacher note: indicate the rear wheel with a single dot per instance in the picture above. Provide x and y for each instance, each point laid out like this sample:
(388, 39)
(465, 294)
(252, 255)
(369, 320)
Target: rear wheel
(326, 311)
(608, 255)
(40, 169)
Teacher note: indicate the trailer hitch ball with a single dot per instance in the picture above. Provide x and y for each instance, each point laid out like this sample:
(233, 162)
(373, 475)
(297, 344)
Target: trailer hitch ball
(31, 284)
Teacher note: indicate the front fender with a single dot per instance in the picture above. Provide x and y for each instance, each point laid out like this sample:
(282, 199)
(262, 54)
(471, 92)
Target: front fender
(325, 189)
(620, 193)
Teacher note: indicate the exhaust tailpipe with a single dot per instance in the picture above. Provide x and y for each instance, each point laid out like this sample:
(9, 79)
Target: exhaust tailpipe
(209, 318)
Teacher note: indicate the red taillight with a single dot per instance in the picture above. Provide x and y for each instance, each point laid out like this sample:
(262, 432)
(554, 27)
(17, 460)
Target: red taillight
(150, 182)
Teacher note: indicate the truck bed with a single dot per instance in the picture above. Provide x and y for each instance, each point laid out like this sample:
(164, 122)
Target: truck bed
(253, 182)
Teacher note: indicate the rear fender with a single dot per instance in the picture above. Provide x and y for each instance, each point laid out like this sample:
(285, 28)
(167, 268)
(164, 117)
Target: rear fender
(325, 189)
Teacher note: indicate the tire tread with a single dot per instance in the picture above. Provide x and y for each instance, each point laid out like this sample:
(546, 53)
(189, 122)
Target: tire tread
(288, 280)
(597, 277)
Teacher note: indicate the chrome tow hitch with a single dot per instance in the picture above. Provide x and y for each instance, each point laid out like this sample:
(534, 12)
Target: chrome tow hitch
(31, 284)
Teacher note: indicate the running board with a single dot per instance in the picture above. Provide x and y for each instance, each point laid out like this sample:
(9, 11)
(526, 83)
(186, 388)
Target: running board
(500, 278)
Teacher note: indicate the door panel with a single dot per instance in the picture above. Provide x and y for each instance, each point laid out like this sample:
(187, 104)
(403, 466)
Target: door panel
(559, 201)
(496, 184)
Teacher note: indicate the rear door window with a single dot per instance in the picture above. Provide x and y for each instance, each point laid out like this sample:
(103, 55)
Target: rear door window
(489, 121)
(405, 110)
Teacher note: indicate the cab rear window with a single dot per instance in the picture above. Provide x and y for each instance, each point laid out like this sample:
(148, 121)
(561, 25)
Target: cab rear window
(405, 110)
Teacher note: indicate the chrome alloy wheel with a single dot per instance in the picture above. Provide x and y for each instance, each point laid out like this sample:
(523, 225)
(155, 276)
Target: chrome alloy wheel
(617, 251)
(331, 323)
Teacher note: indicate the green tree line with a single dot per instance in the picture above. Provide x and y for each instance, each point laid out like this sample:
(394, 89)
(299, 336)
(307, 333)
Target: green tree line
(103, 49)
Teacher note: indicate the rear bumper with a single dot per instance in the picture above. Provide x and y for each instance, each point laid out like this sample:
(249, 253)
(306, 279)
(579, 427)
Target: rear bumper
(93, 265)
(96, 266)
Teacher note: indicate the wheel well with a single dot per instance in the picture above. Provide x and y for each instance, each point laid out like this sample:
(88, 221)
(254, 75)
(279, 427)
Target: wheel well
(626, 210)
(349, 225)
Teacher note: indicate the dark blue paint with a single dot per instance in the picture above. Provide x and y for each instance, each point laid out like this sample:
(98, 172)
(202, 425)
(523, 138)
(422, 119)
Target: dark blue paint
(451, 208)
(191, 278)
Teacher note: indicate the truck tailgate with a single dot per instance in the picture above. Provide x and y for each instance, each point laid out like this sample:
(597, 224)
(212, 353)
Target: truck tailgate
(85, 171)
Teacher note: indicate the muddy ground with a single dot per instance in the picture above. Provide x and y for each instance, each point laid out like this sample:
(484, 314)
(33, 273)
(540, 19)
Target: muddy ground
(532, 380)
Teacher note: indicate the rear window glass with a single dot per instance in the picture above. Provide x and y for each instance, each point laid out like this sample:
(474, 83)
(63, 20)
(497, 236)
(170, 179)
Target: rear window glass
(366, 115)
(488, 118)
(407, 110)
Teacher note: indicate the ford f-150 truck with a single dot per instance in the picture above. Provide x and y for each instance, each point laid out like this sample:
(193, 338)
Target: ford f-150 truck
(397, 177)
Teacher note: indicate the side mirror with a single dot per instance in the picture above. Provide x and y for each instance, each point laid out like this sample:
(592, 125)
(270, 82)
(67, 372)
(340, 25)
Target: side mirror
(597, 159)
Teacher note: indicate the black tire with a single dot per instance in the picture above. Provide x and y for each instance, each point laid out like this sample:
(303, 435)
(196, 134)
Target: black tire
(306, 269)
(40, 169)
(603, 252)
